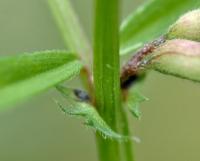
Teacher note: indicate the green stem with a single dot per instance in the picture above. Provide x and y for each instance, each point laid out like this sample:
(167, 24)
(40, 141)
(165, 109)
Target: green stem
(125, 147)
(106, 80)
(106, 72)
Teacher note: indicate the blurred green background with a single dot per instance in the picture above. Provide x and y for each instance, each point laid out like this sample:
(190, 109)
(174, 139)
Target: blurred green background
(38, 131)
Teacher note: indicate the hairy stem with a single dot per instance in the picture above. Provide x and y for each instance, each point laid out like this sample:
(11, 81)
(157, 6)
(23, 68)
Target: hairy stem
(106, 72)
(107, 79)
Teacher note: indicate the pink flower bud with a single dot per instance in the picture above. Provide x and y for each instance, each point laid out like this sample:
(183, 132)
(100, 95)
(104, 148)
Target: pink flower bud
(186, 27)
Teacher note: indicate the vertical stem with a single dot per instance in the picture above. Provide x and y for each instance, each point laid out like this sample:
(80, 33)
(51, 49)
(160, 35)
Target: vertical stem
(106, 67)
(125, 147)
(106, 80)
(106, 71)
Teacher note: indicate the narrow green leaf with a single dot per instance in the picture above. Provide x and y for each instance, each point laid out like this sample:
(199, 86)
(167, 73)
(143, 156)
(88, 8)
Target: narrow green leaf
(71, 29)
(28, 74)
(92, 118)
(152, 20)
(89, 113)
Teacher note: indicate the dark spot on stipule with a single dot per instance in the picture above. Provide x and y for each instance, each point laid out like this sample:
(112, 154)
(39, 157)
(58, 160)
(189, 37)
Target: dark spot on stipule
(82, 95)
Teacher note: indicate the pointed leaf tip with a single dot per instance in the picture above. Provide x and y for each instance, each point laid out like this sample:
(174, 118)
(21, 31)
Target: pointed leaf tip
(92, 119)
(135, 98)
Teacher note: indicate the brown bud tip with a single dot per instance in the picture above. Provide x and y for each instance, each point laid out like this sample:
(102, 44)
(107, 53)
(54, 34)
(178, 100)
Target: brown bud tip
(186, 27)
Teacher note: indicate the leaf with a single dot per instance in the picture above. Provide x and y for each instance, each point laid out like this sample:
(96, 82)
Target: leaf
(71, 29)
(92, 118)
(89, 113)
(135, 98)
(25, 75)
(152, 20)
(176, 57)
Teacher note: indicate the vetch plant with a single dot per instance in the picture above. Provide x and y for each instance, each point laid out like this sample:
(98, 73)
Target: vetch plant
(162, 44)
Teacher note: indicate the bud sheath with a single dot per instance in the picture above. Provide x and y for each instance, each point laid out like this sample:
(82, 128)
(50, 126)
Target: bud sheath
(176, 57)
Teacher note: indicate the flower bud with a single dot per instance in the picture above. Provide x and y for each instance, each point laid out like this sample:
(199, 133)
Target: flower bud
(186, 27)
(176, 57)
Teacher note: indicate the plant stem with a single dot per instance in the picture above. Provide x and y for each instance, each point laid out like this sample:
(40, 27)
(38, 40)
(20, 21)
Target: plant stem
(125, 147)
(107, 80)
(106, 72)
